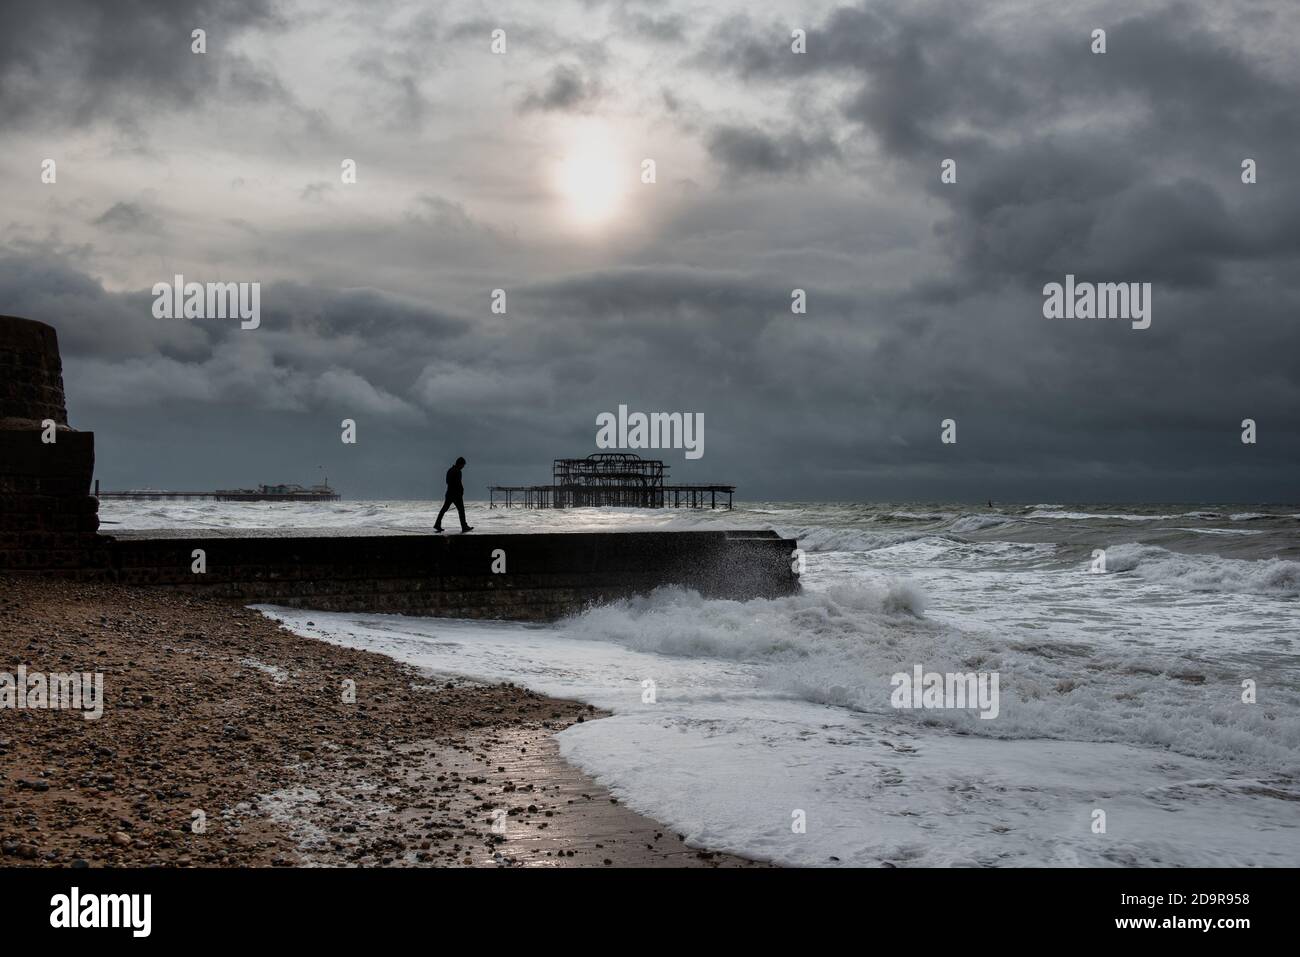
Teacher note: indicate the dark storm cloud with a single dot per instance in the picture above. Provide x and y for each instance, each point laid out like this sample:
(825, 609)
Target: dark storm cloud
(747, 150)
(668, 28)
(566, 89)
(316, 192)
(77, 61)
(538, 37)
(440, 213)
(1121, 166)
(398, 74)
(129, 217)
(42, 282)
(304, 332)
(862, 383)
(1142, 189)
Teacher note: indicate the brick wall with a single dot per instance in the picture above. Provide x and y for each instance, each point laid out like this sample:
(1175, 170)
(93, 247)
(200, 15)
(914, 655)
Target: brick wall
(31, 372)
(47, 516)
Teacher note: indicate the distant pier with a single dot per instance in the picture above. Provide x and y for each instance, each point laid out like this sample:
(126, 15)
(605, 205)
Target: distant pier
(610, 480)
(263, 493)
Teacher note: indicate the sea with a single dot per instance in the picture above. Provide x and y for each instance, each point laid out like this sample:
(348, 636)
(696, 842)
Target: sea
(1147, 662)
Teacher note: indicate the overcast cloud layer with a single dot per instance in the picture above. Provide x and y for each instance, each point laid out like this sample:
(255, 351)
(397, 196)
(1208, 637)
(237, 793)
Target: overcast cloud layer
(775, 171)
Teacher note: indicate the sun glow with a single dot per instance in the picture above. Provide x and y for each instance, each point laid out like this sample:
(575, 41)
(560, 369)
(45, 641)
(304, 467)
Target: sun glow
(592, 178)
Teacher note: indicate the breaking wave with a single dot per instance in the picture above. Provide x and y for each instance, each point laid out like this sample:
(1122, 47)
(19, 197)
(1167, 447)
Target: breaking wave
(1210, 573)
(841, 646)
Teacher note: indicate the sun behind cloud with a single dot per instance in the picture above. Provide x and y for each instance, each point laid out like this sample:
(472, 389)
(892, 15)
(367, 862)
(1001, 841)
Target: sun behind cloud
(592, 176)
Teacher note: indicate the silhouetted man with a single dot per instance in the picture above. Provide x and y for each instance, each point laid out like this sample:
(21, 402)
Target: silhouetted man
(455, 496)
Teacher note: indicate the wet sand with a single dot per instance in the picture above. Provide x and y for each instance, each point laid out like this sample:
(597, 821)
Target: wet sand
(213, 708)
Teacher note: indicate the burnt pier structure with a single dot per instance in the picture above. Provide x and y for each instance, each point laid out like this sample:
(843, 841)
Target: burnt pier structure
(610, 480)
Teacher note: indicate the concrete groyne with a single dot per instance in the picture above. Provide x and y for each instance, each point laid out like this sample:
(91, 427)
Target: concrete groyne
(49, 522)
(533, 577)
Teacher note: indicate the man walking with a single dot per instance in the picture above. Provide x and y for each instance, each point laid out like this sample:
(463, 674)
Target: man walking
(455, 496)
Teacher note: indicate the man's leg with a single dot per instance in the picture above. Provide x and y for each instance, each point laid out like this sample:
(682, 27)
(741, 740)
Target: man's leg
(460, 510)
(446, 504)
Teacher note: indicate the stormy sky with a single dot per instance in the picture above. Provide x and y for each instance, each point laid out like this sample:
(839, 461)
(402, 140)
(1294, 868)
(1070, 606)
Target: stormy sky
(774, 171)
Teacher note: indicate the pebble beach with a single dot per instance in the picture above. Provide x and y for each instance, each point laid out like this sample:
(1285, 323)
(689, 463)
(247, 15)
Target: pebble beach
(228, 741)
